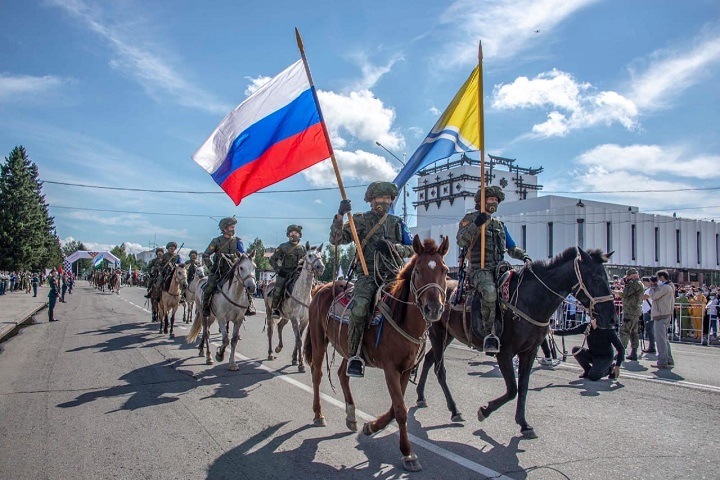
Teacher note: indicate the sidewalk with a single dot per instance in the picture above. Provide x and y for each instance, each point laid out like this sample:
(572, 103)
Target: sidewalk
(16, 308)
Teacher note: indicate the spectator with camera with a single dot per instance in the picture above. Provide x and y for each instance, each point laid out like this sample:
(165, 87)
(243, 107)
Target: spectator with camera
(662, 294)
(632, 298)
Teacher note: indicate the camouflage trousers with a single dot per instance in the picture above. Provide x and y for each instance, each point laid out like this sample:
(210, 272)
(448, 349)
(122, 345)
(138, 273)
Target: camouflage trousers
(279, 291)
(210, 288)
(483, 283)
(629, 330)
(364, 296)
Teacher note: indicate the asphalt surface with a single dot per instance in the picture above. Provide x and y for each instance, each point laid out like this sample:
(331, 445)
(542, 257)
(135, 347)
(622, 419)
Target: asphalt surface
(101, 394)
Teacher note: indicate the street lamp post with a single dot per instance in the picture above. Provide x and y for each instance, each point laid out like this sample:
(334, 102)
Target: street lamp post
(404, 193)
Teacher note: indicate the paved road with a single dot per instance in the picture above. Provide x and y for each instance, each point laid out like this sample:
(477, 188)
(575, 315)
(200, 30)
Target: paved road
(101, 394)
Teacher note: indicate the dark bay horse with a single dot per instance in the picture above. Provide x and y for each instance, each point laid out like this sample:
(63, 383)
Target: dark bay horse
(414, 300)
(535, 294)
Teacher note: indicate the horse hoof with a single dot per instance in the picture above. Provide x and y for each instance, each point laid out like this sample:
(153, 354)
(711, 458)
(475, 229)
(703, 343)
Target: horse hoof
(172, 335)
(219, 357)
(234, 367)
(278, 349)
(528, 432)
(294, 362)
(421, 404)
(301, 369)
(160, 331)
(352, 426)
(320, 422)
(201, 353)
(411, 463)
(367, 429)
(208, 361)
(481, 415)
(457, 418)
(166, 330)
(271, 357)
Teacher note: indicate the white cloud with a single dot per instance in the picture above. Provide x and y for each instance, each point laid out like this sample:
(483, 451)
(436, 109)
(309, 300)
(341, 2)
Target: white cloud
(583, 106)
(133, 57)
(14, 87)
(359, 165)
(641, 175)
(371, 73)
(672, 71)
(435, 111)
(255, 84)
(317, 201)
(361, 115)
(506, 28)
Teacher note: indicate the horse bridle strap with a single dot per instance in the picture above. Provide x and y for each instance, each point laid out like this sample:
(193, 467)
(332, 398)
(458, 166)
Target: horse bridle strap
(523, 315)
(580, 286)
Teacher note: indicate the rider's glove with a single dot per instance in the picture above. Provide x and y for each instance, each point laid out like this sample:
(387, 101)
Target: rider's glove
(481, 218)
(382, 247)
(344, 207)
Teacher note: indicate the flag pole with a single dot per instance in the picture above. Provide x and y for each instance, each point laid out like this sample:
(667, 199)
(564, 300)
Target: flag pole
(481, 143)
(353, 230)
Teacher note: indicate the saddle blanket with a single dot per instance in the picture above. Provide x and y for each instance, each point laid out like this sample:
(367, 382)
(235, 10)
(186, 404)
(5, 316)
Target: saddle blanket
(340, 312)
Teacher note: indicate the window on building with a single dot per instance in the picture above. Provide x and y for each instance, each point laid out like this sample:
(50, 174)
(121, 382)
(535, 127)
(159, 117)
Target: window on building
(633, 241)
(657, 244)
(677, 245)
(550, 239)
(608, 236)
(581, 232)
(523, 237)
(698, 247)
(717, 249)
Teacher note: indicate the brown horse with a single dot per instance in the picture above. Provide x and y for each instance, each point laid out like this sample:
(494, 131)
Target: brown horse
(415, 300)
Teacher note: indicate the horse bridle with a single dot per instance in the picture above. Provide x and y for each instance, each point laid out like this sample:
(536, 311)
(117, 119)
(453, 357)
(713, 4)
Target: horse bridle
(579, 287)
(312, 264)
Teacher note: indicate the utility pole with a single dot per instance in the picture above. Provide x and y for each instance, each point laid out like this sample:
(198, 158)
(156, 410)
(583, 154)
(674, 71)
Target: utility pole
(404, 193)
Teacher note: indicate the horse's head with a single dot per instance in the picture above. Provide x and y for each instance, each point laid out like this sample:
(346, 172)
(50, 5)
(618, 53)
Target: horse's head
(180, 275)
(429, 275)
(313, 259)
(593, 289)
(245, 271)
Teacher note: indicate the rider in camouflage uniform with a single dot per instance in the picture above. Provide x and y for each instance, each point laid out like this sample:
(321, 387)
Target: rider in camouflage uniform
(166, 264)
(497, 242)
(376, 230)
(226, 245)
(632, 297)
(284, 261)
(192, 265)
(152, 269)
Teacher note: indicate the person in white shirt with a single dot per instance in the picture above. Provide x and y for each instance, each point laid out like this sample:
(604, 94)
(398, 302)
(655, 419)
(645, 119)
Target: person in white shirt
(712, 311)
(647, 319)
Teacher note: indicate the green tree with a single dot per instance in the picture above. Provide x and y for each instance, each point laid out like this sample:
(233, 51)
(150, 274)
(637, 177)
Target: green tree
(121, 254)
(28, 240)
(346, 253)
(261, 263)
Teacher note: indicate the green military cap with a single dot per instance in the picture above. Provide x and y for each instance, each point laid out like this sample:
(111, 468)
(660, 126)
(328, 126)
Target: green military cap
(493, 191)
(297, 228)
(379, 189)
(171, 244)
(160, 249)
(631, 271)
(227, 221)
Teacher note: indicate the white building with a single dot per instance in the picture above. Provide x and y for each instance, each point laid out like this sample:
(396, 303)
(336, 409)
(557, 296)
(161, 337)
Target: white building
(545, 226)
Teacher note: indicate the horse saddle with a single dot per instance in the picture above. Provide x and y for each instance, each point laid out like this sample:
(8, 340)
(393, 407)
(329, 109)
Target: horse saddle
(340, 307)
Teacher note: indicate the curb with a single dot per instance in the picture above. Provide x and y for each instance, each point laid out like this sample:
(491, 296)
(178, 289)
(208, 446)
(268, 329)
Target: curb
(8, 329)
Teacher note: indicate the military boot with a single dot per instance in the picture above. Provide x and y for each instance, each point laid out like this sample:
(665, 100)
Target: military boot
(251, 308)
(207, 300)
(356, 365)
(633, 355)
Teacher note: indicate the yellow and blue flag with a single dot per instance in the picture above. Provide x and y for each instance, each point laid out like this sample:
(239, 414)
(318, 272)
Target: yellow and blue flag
(456, 131)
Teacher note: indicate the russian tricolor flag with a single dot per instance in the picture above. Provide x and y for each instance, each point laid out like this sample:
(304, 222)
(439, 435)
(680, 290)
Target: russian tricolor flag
(275, 133)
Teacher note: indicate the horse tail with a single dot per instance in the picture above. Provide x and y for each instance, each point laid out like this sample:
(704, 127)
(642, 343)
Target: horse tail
(307, 349)
(195, 329)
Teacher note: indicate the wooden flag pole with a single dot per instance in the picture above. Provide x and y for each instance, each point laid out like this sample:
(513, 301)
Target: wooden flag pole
(481, 127)
(332, 155)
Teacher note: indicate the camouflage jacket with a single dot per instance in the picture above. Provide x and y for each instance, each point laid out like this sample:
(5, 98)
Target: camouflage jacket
(169, 258)
(286, 257)
(153, 267)
(632, 299)
(393, 230)
(497, 241)
(221, 245)
(192, 268)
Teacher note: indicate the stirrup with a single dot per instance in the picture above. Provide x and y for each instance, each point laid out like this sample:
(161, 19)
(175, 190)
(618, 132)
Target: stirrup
(355, 367)
(275, 313)
(491, 344)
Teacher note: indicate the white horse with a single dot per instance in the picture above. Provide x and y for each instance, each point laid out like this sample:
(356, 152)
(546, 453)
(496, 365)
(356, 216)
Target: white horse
(228, 304)
(192, 294)
(294, 308)
(170, 299)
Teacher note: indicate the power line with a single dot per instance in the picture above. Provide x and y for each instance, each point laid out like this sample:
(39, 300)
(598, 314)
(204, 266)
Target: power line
(670, 190)
(194, 192)
(183, 214)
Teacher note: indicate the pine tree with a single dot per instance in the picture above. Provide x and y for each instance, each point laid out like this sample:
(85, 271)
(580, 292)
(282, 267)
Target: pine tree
(27, 231)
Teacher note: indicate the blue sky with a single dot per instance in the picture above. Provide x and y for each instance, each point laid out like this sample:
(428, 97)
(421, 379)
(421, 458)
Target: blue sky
(605, 95)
